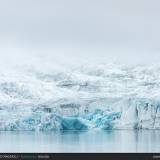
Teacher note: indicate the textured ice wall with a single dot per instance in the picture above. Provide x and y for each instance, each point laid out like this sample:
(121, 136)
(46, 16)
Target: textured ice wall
(48, 96)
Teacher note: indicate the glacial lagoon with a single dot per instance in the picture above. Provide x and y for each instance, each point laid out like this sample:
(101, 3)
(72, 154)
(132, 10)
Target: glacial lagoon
(111, 141)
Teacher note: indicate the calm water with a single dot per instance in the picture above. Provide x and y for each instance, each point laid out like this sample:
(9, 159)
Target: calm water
(89, 141)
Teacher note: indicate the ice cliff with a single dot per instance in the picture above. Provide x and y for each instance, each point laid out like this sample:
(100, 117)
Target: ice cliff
(105, 96)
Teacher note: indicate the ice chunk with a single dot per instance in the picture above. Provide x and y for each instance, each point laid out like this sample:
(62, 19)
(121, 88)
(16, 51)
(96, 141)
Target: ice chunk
(74, 123)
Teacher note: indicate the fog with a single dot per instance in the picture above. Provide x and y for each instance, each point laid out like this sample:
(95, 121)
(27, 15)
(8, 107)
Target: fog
(80, 31)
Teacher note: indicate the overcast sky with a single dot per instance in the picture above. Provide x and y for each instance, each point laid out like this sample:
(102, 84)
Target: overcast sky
(119, 30)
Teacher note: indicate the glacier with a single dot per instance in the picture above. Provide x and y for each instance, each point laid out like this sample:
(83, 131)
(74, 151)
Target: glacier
(82, 97)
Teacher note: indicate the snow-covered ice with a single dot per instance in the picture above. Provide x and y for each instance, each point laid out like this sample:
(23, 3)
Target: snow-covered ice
(79, 97)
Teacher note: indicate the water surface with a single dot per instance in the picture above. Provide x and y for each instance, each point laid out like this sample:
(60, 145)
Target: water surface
(88, 141)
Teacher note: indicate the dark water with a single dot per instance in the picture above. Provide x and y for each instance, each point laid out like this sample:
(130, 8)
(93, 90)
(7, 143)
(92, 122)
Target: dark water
(89, 141)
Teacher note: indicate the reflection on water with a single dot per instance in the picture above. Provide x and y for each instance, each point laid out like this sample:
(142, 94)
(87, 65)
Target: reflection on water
(89, 141)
